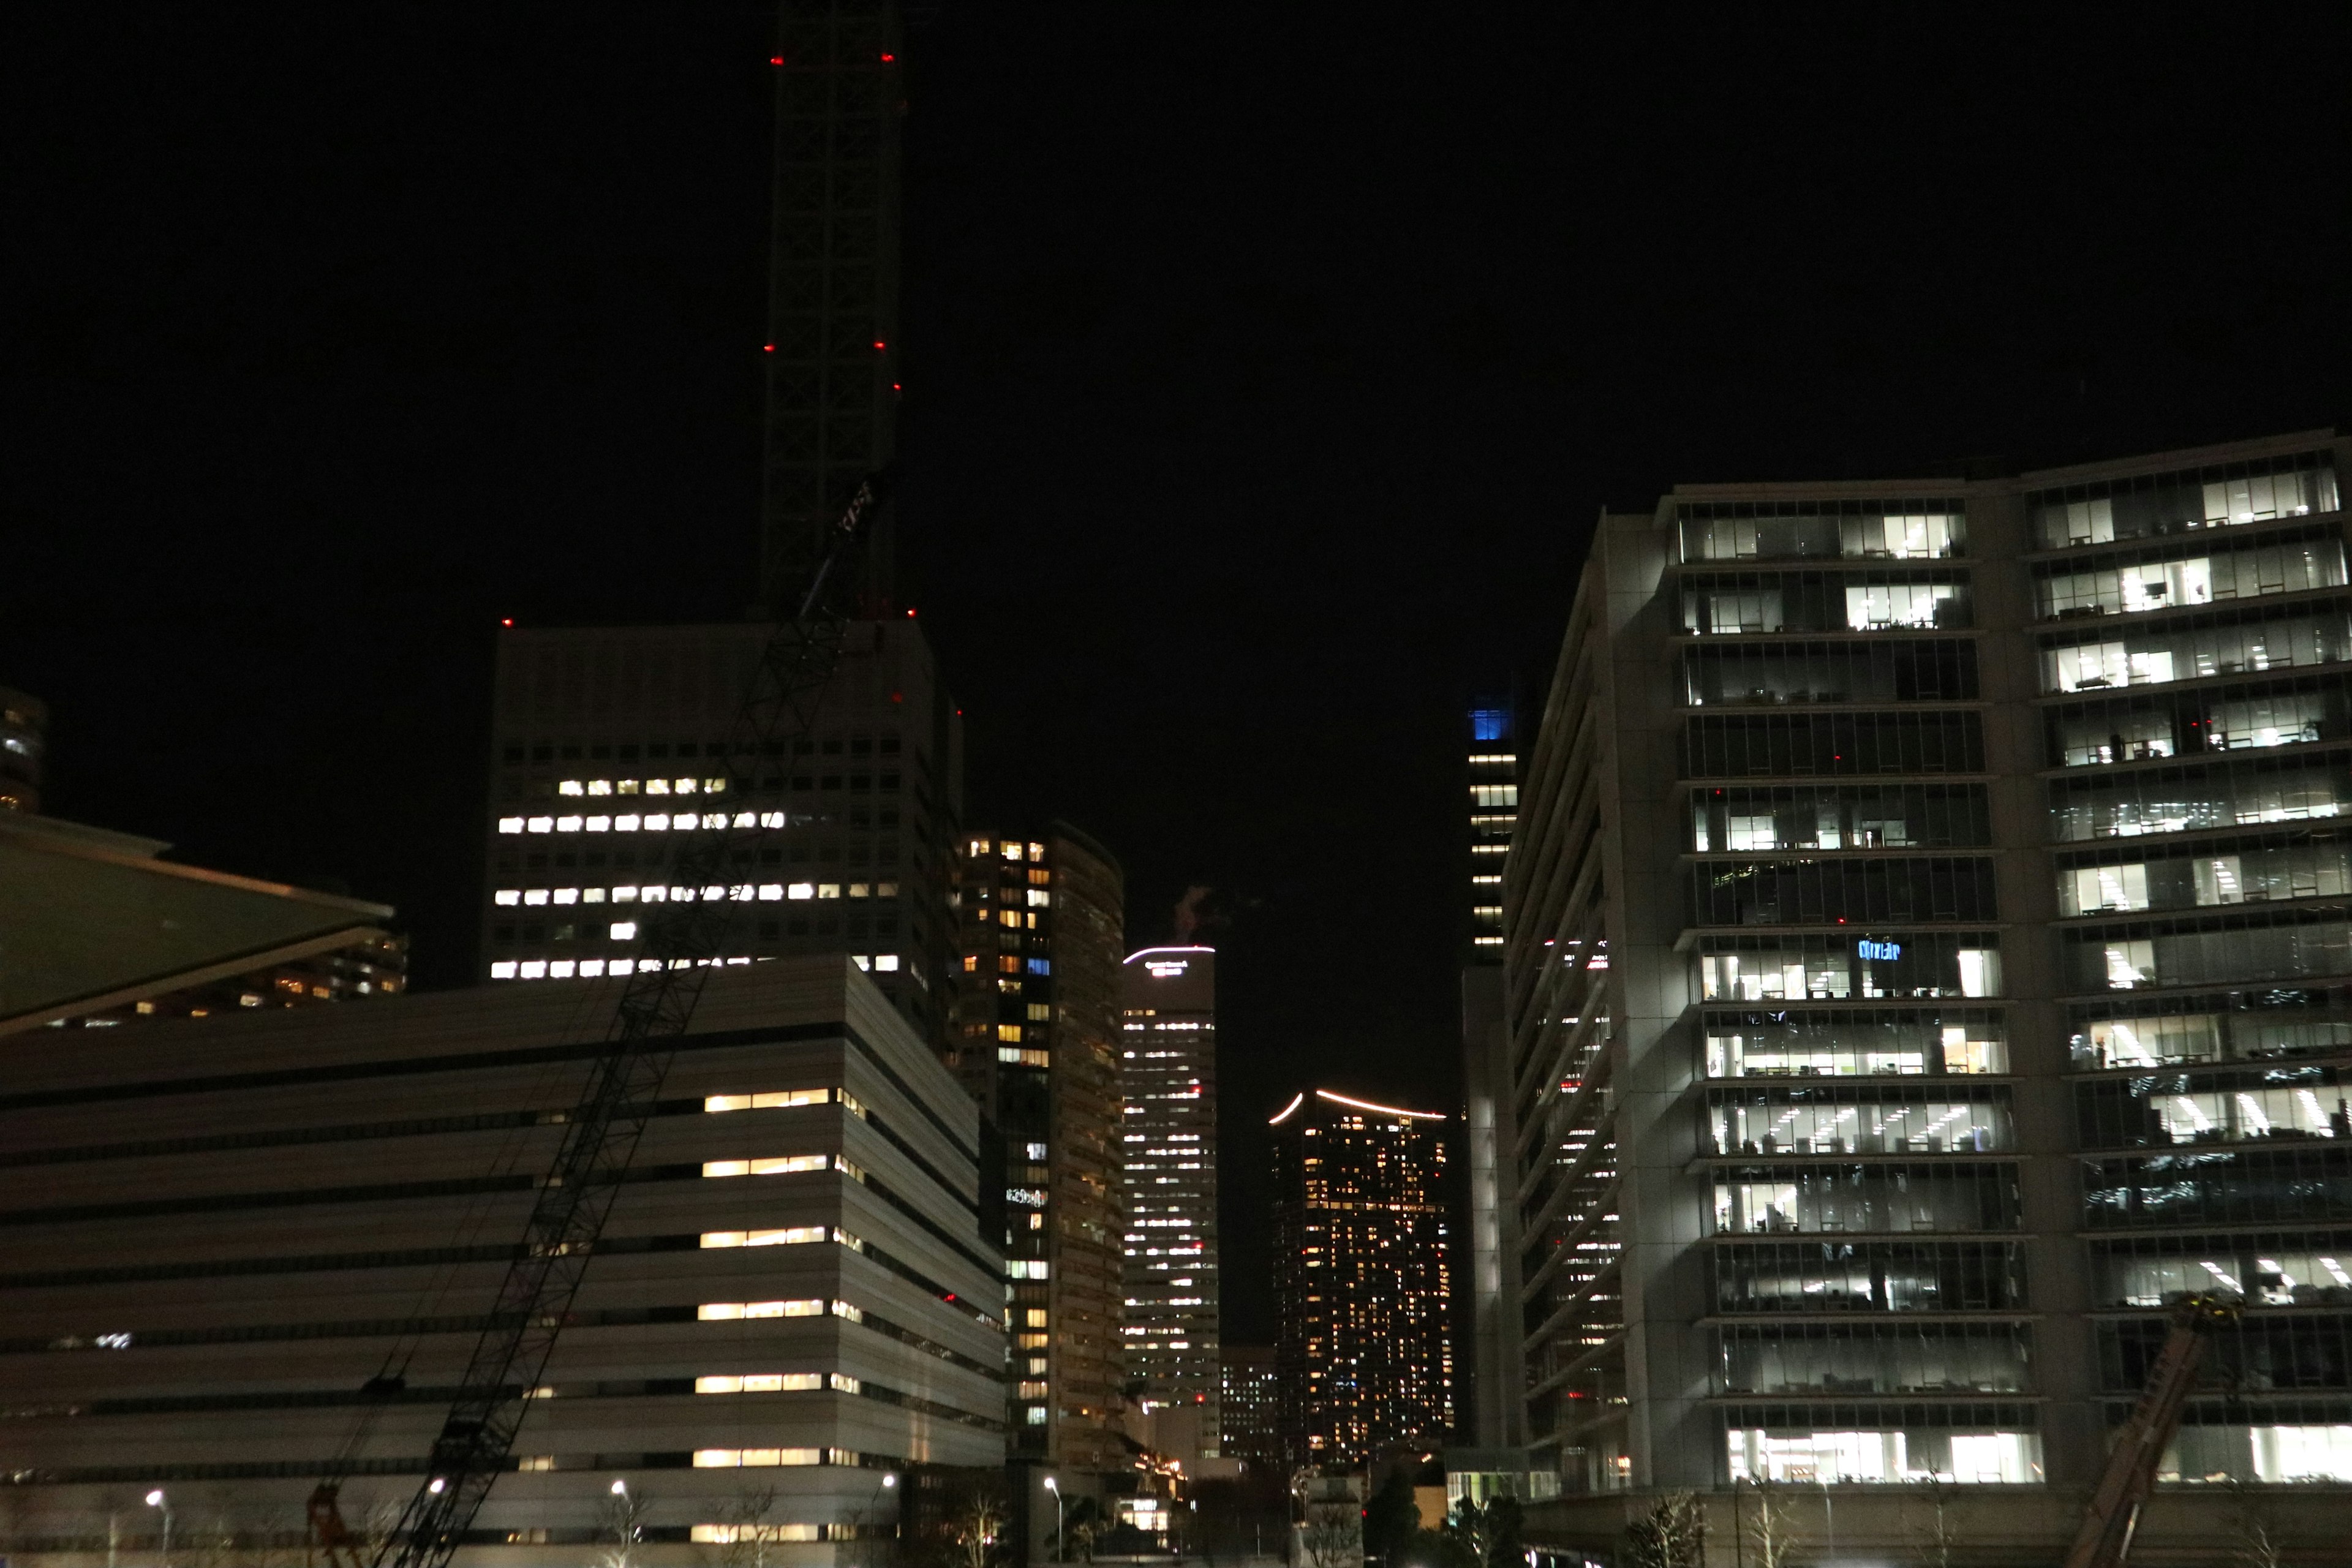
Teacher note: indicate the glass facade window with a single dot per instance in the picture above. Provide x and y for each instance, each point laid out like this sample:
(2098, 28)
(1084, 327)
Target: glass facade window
(1767, 674)
(1871, 1358)
(1847, 1044)
(2235, 718)
(2284, 637)
(2281, 1269)
(1782, 1278)
(2251, 871)
(1877, 1453)
(2261, 1354)
(1833, 968)
(2281, 946)
(2132, 584)
(2238, 1025)
(1832, 745)
(1840, 816)
(2279, 1102)
(2309, 1182)
(1952, 1198)
(1847, 529)
(2155, 504)
(1851, 1119)
(2212, 1447)
(1834, 892)
(1726, 604)
(2298, 788)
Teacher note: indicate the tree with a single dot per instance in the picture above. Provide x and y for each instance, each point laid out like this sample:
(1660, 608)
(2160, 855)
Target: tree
(749, 1540)
(1769, 1524)
(2257, 1546)
(1672, 1535)
(621, 1526)
(975, 1529)
(1486, 1535)
(1391, 1519)
(1332, 1534)
(1082, 1521)
(1940, 1532)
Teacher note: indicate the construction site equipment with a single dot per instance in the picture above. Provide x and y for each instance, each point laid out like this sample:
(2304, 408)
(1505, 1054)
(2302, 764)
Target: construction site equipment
(2112, 1517)
(682, 940)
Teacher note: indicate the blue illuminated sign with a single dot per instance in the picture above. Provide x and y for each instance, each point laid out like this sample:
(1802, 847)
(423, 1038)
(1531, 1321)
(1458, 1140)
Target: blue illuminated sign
(1866, 948)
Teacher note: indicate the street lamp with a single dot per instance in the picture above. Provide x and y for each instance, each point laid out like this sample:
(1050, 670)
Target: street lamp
(156, 1500)
(1061, 1541)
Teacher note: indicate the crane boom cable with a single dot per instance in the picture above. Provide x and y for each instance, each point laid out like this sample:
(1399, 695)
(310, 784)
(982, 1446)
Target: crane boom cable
(681, 944)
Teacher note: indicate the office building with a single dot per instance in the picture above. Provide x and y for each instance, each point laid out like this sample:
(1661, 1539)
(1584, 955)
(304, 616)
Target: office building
(220, 1229)
(1168, 1075)
(1363, 1353)
(1036, 1019)
(1926, 960)
(24, 740)
(97, 930)
(1249, 1407)
(610, 750)
(1490, 1397)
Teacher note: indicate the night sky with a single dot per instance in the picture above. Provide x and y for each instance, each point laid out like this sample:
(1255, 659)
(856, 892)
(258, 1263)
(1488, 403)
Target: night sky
(1265, 368)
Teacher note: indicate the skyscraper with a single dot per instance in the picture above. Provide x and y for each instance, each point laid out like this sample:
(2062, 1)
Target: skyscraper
(1249, 1418)
(1362, 1285)
(1927, 959)
(1168, 1072)
(1490, 1403)
(833, 312)
(1037, 1023)
(608, 750)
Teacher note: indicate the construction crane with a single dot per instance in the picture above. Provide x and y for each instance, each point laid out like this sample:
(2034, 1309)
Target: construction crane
(683, 939)
(2112, 1517)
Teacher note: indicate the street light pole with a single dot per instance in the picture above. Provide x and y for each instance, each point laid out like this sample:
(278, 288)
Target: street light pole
(156, 1500)
(1061, 1541)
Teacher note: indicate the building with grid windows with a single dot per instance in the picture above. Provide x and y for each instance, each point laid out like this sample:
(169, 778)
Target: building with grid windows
(1928, 958)
(1249, 1418)
(1167, 1074)
(1037, 1021)
(609, 748)
(220, 1228)
(1363, 1353)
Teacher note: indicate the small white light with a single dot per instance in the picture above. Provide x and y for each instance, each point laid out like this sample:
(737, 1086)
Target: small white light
(155, 1498)
(620, 1488)
(889, 1480)
(438, 1485)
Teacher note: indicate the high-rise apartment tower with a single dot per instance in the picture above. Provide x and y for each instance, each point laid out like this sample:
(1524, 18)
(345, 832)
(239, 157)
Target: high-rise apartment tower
(1167, 1073)
(1928, 958)
(1363, 1352)
(1037, 1027)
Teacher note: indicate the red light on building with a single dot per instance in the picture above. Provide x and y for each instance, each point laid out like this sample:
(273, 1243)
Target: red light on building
(767, 348)
(910, 612)
(889, 58)
(881, 347)
(775, 59)
(506, 621)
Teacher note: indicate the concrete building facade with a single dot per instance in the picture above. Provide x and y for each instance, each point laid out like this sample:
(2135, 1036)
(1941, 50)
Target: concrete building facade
(1036, 1022)
(1922, 968)
(221, 1228)
(1363, 1283)
(609, 746)
(1168, 1076)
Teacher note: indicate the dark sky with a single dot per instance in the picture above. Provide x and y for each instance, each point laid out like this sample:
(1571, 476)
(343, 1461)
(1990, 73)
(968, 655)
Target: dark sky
(1266, 367)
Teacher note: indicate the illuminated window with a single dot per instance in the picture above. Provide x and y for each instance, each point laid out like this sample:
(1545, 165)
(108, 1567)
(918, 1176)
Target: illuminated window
(600, 786)
(567, 824)
(972, 963)
(509, 825)
(592, 896)
(886, 961)
(729, 1459)
(1039, 896)
(771, 891)
(1011, 851)
(1010, 964)
(503, 970)
(759, 1382)
(559, 970)
(793, 1235)
(728, 1312)
(507, 897)
(571, 786)
(628, 786)
(1009, 1032)
(779, 1166)
(801, 890)
(534, 969)
(828, 889)
(624, 930)
(682, 786)
(567, 895)
(625, 824)
(658, 823)
(541, 825)
(658, 786)
(1041, 1012)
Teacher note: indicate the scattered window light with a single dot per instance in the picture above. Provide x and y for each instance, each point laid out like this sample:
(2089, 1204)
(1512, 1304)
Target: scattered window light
(623, 931)
(503, 970)
(801, 890)
(506, 897)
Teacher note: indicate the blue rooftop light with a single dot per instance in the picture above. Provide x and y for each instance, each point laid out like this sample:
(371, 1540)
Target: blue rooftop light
(1490, 723)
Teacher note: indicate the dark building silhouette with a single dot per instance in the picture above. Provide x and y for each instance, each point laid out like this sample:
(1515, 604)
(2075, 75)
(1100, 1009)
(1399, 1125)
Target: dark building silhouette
(1363, 1352)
